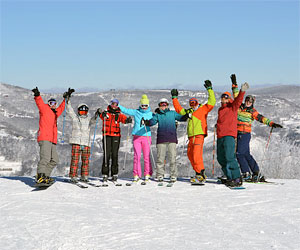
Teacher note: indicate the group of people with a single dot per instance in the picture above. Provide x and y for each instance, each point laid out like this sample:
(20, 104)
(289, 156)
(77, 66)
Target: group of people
(233, 126)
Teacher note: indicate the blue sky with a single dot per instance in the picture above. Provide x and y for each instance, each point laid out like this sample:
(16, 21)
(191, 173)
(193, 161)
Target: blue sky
(151, 44)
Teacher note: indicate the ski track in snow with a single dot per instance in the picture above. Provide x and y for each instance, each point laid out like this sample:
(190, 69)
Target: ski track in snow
(149, 217)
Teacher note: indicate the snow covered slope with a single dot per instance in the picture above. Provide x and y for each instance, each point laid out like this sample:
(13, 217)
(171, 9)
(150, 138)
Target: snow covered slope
(263, 216)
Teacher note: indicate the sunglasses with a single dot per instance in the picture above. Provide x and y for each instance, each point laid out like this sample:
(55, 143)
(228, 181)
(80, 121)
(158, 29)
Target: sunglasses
(144, 106)
(51, 103)
(225, 96)
(163, 104)
(114, 104)
(248, 100)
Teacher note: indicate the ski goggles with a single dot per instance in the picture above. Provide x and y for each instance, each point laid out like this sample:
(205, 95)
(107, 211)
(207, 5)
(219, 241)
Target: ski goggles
(51, 103)
(225, 96)
(163, 104)
(114, 104)
(144, 105)
(82, 112)
(193, 103)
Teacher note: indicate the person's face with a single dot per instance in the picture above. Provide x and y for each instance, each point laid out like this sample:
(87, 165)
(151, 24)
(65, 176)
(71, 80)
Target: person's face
(225, 98)
(114, 105)
(52, 104)
(163, 105)
(248, 102)
(193, 104)
(144, 106)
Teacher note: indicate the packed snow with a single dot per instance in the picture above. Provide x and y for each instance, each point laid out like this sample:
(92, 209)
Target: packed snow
(64, 216)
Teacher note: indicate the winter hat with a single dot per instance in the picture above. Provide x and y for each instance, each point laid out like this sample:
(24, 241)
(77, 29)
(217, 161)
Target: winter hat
(51, 100)
(226, 93)
(144, 100)
(193, 99)
(114, 101)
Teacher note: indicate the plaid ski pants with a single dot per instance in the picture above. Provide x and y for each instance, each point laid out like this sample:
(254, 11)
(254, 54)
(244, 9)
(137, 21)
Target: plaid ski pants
(78, 151)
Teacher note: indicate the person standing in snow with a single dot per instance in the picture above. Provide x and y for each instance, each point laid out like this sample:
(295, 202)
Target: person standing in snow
(80, 139)
(226, 134)
(166, 138)
(47, 135)
(246, 115)
(111, 138)
(196, 129)
(141, 138)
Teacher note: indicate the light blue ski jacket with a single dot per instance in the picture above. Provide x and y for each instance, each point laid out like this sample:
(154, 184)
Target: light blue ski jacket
(138, 114)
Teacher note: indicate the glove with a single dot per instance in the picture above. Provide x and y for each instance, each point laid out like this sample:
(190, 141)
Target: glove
(128, 120)
(275, 125)
(105, 115)
(233, 79)
(245, 86)
(98, 112)
(174, 93)
(68, 93)
(36, 91)
(207, 84)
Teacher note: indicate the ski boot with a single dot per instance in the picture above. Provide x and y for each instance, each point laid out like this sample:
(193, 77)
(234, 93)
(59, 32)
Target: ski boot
(147, 177)
(84, 179)
(41, 178)
(73, 179)
(255, 177)
(238, 182)
(105, 181)
(222, 179)
(136, 179)
(173, 179)
(246, 176)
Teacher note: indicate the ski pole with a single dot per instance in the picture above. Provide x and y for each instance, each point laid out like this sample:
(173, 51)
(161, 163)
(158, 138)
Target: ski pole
(269, 137)
(93, 138)
(214, 152)
(183, 144)
(264, 156)
(126, 146)
(64, 115)
(104, 140)
(150, 146)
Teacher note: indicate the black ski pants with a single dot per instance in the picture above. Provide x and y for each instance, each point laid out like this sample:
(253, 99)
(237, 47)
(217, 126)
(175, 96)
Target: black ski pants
(111, 151)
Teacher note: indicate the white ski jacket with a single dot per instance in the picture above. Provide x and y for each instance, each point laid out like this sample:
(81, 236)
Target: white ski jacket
(81, 126)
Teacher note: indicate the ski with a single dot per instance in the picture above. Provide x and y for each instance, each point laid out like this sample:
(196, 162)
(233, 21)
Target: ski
(197, 183)
(170, 184)
(42, 186)
(92, 184)
(160, 184)
(265, 182)
(76, 183)
(236, 188)
(116, 183)
(104, 184)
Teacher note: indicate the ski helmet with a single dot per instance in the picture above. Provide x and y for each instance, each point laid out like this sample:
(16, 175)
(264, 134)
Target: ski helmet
(250, 98)
(163, 100)
(83, 109)
(114, 101)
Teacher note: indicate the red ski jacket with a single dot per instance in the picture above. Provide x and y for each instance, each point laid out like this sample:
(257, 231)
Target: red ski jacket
(112, 122)
(227, 117)
(48, 120)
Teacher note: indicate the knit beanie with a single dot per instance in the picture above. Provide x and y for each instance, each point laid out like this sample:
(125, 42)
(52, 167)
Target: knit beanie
(144, 100)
